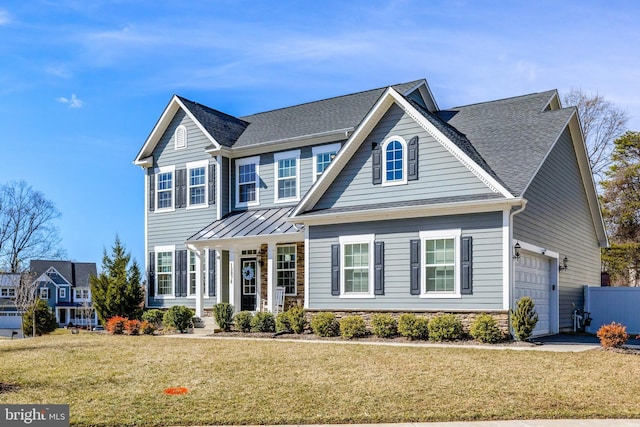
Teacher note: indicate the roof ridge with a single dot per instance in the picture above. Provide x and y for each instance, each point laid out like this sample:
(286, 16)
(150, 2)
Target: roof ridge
(501, 100)
(331, 98)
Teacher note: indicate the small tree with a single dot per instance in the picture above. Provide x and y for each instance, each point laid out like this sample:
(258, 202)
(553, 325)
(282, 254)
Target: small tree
(25, 297)
(39, 319)
(117, 290)
(223, 313)
(524, 318)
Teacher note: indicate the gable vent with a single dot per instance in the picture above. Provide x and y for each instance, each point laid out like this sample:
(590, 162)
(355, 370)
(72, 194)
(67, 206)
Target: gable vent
(181, 137)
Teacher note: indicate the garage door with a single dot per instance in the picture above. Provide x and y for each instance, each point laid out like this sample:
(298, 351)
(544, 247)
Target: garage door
(9, 320)
(532, 279)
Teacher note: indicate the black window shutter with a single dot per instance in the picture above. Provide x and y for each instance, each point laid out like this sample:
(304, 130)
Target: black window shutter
(378, 265)
(212, 184)
(466, 261)
(412, 164)
(181, 276)
(152, 192)
(211, 273)
(181, 188)
(151, 274)
(376, 162)
(335, 269)
(414, 257)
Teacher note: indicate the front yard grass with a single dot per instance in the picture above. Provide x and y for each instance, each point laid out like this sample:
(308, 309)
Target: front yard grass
(119, 380)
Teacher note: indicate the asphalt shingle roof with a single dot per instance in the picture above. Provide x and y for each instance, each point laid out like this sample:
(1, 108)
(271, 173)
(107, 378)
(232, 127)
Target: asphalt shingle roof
(512, 135)
(224, 128)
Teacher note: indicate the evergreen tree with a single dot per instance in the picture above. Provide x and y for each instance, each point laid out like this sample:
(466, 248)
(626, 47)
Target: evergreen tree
(44, 318)
(117, 290)
(621, 211)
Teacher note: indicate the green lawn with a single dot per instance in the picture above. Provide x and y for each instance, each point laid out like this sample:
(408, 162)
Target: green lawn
(119, 380)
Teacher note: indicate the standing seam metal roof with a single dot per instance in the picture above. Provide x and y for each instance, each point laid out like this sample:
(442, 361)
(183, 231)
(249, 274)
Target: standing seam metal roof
(257, 222)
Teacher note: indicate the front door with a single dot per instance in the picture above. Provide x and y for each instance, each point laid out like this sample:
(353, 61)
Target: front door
(249, 288)
(62, 315)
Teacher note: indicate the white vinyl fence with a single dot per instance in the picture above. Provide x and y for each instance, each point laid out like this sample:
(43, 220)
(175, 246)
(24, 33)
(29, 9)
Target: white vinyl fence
(613, 304)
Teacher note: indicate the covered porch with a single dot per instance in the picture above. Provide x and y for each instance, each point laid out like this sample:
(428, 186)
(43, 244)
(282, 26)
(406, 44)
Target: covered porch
(256, 252)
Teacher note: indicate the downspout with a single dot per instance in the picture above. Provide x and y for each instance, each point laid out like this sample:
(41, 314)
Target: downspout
(512, 274)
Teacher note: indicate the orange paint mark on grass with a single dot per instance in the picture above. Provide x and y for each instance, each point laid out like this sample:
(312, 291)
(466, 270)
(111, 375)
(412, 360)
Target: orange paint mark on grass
(175, 390)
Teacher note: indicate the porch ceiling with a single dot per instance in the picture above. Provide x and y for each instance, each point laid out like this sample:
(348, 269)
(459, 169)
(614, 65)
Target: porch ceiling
(252, 223)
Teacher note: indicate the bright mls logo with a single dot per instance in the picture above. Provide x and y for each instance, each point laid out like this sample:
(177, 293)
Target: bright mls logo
(34, 415)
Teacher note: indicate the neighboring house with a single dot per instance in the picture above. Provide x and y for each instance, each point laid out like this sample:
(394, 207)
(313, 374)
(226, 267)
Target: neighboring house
(65, 287)
(10, 316)
(376, 201)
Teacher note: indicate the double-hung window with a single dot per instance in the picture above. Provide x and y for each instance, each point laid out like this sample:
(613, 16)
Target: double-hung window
(286, 268)
(8, 292)
(82, 294)
(394, 161)
(357, 265)
(165, 188)
(44, 293)
(247, 179)
(63, 292)
(164, 271)
(197, 184)
(440, 263)
(322, 156)
(287, 173)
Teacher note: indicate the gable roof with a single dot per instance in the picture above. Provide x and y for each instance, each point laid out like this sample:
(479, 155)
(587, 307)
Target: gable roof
(75, 273)
(497, 130)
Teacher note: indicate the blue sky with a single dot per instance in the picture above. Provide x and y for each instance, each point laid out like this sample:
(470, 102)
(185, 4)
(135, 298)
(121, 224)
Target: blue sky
(82, 83)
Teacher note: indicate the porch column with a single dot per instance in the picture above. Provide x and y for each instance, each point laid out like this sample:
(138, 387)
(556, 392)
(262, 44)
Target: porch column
(234, 294)
(199, 296)
(271, 285)
(218, 276)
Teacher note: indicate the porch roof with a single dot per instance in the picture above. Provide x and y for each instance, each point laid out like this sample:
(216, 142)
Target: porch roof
(252, 223)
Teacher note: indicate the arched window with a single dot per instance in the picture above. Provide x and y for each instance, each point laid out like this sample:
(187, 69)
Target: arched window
(181, 137)
(394, 165)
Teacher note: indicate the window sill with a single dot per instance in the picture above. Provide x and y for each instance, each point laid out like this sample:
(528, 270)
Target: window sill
(393, 183)
(357, 296)
(441, 295)
(247, 205)
(163, 210)
(164, 297)
(195, 207)
(282, 201)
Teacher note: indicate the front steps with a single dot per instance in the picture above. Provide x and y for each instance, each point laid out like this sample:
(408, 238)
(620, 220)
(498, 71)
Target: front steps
(205, 326)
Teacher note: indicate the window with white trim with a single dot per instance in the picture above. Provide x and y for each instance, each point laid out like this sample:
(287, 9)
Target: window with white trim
(197, 183)
(44, 293)
(82, 293)
(63, 292)
(164, 273)
(323, 155)
(8, 292)
(394, 161)
(357, 265)
(287, 173)
(165, 188)
(180, 137)
(286, 268)
(440, 263)
(247, 181)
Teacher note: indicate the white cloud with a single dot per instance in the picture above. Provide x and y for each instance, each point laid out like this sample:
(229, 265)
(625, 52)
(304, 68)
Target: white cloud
(74, 101)
(5, 18)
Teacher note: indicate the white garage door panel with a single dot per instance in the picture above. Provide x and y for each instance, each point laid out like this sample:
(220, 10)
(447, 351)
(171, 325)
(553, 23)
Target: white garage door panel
(533, 279)
(9, 320)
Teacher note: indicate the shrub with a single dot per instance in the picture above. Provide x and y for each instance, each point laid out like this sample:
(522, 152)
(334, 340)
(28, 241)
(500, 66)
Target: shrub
(116, 325)
(178, 317)
(242, 321)
(485, 329)
(613, 335)
(44, 317)
(282, 322)
(524, 318)
(297, 318)
(153, 316)
(324, 324)
(445, 327)
(352, 327)
(147, 327)
(413, 327)
(132, 327)
(263, 321)
(384, 325)
(223, 313)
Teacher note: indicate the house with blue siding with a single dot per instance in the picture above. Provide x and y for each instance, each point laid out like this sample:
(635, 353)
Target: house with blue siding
(376, 201)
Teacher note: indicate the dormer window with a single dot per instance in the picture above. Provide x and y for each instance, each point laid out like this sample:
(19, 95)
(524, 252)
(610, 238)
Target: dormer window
(180, 137)
(394, 164)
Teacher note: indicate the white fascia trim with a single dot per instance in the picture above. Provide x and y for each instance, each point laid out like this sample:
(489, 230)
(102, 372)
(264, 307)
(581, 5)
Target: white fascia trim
(426, 93)
(162, 124)
(440, 234)
(361, 238)
(322, 149)
(53, 269)
(247, 161)
(156, 251)
(405, 154)
(166, 169)
(462, 157)
(457, 208)
(346, 152)
(219, 185)
(147, 162)
(192, 165)
(283, 155)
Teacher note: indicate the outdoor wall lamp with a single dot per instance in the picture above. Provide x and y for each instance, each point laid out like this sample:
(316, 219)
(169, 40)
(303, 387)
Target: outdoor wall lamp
(565, 264)
(516, 251)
